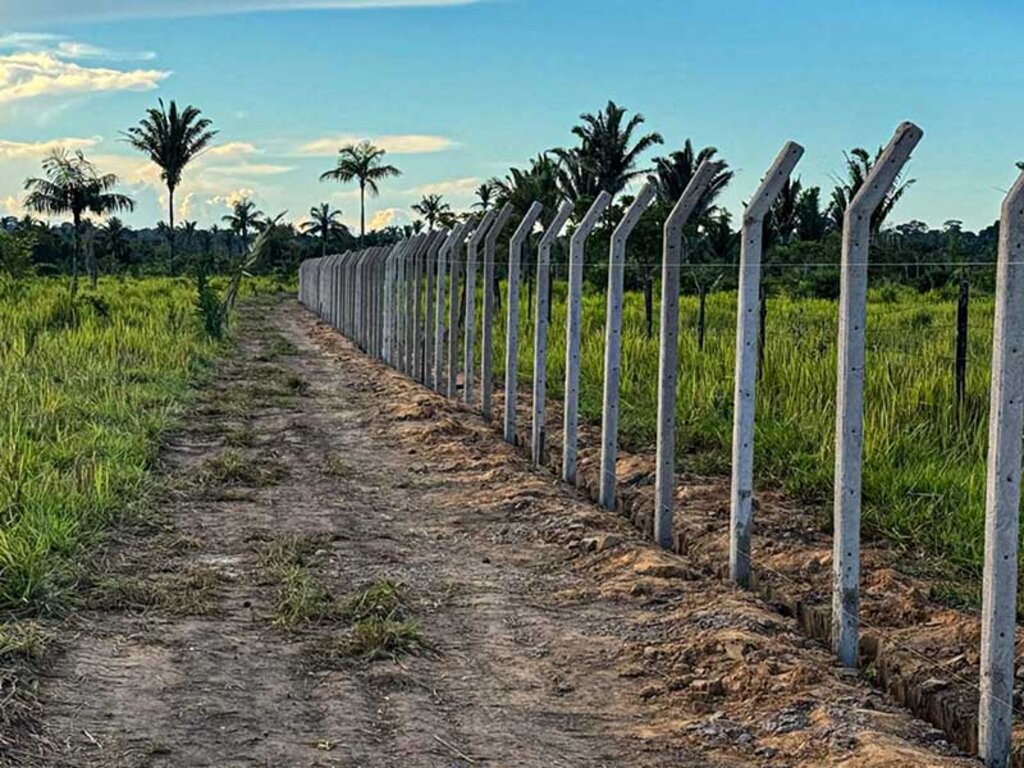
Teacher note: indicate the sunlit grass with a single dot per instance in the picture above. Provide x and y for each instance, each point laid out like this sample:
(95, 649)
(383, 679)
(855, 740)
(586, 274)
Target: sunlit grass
(924, 470)
(86, 387)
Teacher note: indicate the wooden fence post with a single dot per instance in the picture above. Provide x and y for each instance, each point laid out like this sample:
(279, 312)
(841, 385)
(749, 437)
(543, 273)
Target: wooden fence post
(1002, 498)
(668, 354)
(747, 362)
(574, 314)
(515, 252)
(540, 329)
(850, 390)
(613, 344)
(487, 318)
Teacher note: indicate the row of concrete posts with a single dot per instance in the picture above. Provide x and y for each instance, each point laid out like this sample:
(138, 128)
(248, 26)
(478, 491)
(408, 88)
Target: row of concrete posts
(400, 303)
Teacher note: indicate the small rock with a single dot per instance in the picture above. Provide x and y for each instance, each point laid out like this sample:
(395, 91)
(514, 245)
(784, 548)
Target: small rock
(651, 691)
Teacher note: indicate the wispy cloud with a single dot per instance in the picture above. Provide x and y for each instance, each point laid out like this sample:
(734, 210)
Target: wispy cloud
(12, 150)
(453, 187)
(77, 10)
(65, 48)
(31, 75)
(249, 169)
(398, 144)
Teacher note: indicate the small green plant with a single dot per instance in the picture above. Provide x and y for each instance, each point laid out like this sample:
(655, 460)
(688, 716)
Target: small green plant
(375, 638)
(301, 600)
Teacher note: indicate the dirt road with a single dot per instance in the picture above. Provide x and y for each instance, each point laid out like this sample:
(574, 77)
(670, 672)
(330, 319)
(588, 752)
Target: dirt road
(530, 628)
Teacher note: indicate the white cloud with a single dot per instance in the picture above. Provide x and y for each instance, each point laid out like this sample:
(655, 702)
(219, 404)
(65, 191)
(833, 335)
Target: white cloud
(10, 150)
(388, 217)
(231, 149)
(64, 11)
(451, 188)
(32, 75)
(11, 206)
(398, 144)
(70, 49)
(235, 196)
(249, 169)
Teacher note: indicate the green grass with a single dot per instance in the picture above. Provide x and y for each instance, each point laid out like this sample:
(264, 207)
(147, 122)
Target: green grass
(86, 388)
(924, 470)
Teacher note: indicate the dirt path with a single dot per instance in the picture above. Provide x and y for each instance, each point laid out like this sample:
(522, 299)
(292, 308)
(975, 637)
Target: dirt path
(548, 634)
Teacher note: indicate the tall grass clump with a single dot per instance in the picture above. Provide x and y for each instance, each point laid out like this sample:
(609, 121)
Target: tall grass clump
(87, 384)
(924, 458)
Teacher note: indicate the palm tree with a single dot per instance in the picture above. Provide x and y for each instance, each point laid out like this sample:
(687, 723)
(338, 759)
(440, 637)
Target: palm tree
(811, 222)
(188, 229)
(484, 195)
(244, 218)
(73, 186)
(433, 209)
(858, 165)
(171, 139)
(363, 162)
(115, 237)
(672, 174)
(576, 181)
(325, 222)
(608, 148)
(780, 225)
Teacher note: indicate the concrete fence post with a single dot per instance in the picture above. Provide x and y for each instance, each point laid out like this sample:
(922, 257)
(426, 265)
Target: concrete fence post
(850, 390)
(540, 330)
(454, 281)
(668, 356)
(388, 306)
(574, 317)
(613, 344)
(417, 325)
(487, 316)
(430, 268)
(515, 252)
(442, 262)
(746, 368)
(469, 321)
(411, 290)
(1002, 497)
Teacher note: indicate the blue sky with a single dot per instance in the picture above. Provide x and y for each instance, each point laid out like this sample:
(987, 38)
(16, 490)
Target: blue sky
(461, 90)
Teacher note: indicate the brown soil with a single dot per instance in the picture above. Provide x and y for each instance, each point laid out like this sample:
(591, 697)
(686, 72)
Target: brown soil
(553, 634)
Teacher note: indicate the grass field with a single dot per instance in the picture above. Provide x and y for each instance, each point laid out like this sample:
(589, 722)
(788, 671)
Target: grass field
(924, 471)
(86, 387)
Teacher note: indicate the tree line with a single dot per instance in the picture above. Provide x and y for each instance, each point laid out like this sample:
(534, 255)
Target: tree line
(802, 231)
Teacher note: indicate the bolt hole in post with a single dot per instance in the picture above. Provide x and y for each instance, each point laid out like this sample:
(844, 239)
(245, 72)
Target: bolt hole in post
(613, 344)
(747, 363)
(540, 330)
(515, 253)
(668, 354)
(1002, 499)
(573, 324)
(850, 391)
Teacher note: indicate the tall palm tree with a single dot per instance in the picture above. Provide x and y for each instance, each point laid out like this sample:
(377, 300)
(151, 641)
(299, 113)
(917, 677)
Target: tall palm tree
(672, 174)
(433, 209)
(859, 163)
(71, 185)
(576, 180)
(608, 147)
(172, 139)
(325, 222)
(244, 218)
(484, 195)
(363, 162)
(781, 223)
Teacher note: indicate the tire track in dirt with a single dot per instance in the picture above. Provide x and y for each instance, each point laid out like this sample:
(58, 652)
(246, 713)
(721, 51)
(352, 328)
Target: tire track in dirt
(560, 638)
